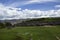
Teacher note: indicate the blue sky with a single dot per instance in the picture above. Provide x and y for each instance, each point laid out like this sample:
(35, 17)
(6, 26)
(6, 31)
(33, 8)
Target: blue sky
(42, 5)
(17, 9)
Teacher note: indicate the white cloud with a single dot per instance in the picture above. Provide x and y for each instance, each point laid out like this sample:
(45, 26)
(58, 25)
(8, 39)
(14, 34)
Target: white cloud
(19, 3)
(57, 6)
(18, 13)
(42, 1)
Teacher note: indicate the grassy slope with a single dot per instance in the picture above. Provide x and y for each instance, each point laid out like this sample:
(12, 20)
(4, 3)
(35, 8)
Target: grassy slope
(38, 33)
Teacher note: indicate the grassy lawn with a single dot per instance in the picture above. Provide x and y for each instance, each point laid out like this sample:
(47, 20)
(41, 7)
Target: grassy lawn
(30, 33)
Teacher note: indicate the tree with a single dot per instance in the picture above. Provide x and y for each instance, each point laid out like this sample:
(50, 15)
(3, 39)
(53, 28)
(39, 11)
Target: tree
(8, 25)
(2, 25)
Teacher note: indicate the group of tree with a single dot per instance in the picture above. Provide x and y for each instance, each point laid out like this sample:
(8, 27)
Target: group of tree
(5, 25)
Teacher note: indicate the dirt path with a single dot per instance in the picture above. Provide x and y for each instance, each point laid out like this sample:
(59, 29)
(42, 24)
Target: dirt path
(57, 37)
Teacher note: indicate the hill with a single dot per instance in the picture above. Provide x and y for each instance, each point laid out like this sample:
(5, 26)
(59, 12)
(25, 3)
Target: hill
(40, 22)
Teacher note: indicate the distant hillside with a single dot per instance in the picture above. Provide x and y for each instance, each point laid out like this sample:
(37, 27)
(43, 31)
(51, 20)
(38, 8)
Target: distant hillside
(14, 21)
(40, 22)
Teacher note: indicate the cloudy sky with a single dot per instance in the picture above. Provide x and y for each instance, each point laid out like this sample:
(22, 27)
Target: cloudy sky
(21, 9)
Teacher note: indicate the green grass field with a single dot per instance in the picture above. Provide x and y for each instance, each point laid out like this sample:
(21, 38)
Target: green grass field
(30, 33)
